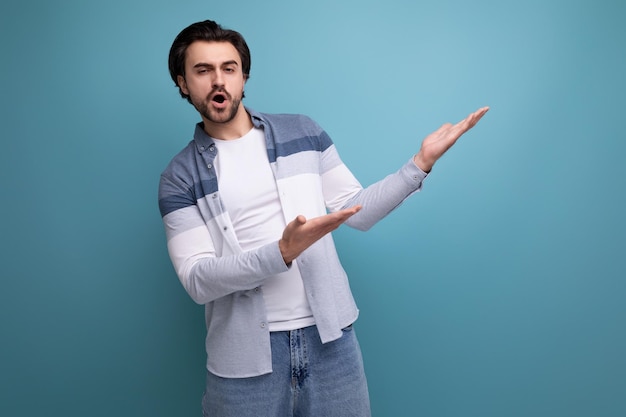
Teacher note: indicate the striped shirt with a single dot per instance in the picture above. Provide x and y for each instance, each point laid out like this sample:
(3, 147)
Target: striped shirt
(311, 180)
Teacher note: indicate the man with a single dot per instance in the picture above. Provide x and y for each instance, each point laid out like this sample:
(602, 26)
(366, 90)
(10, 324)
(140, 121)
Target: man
(248, 207)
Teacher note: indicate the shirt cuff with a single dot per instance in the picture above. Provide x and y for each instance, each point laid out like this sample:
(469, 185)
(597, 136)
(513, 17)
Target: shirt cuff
(414, 173)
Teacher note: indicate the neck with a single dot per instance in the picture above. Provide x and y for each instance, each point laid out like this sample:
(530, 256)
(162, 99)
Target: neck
(234, 129)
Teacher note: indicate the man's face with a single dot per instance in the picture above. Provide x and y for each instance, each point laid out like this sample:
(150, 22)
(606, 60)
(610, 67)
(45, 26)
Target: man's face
(213, 80)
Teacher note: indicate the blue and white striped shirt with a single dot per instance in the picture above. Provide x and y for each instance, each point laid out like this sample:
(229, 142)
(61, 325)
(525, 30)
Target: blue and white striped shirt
(311, 180)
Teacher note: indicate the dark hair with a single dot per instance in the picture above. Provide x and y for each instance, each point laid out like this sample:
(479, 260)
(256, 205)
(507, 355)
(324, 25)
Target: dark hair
(205, 31)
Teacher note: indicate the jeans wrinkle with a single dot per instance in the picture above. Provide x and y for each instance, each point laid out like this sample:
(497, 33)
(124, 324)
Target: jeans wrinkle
(299, 359)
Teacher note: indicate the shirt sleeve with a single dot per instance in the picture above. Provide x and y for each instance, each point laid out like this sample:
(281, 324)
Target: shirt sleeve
(343, 190)
(204, 252)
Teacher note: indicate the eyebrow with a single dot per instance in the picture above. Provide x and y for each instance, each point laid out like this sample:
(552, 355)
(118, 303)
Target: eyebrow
(204, 64)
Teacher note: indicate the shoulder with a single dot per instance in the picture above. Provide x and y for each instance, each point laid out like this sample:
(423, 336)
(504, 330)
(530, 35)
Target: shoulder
(179, 165)
(288, 121)
(293, 129)
(288, 118)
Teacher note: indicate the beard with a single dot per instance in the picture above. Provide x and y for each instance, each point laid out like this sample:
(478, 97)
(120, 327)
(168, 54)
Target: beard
(217, 115)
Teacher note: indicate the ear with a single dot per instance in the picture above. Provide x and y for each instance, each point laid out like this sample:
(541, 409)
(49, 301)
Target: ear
(182, 84)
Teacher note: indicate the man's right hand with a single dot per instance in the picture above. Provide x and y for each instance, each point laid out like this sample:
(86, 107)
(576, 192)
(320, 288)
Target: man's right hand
(302, 233)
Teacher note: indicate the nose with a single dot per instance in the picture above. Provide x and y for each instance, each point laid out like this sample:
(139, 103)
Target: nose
(218, 79)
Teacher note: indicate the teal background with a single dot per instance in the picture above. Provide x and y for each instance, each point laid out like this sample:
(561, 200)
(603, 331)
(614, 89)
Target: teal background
(497, 291)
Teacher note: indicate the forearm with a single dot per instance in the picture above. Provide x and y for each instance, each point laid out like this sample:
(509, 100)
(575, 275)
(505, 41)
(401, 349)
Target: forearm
(382, 197)
(207, 277)
(210, 264)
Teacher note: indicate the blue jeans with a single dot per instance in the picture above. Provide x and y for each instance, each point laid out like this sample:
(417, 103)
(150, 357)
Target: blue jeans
(308, 379)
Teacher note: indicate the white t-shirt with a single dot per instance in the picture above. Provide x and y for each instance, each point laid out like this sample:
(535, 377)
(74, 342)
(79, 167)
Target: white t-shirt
(248, 190)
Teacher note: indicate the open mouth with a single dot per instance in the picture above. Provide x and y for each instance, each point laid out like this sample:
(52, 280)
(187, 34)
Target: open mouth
(219, 98)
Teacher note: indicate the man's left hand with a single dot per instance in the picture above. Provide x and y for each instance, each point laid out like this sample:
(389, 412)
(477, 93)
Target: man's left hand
(442, 139)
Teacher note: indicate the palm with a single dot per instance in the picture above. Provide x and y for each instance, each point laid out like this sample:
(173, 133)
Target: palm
(442, 139)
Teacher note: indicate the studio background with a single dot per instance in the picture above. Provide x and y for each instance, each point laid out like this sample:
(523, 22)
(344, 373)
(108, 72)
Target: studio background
(499, 290)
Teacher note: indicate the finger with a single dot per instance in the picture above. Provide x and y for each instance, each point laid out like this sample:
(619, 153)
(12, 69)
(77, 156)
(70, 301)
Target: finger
(443, 128)
(345, 214)
(353, 210)
(478, 114)
(295, 223)
(470, 121)
(332, 221)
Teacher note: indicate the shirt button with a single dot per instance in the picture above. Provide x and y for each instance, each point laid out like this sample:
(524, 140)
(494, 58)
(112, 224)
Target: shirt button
(263, 325)
(209, 166)
(202, 148)
(212, 148)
